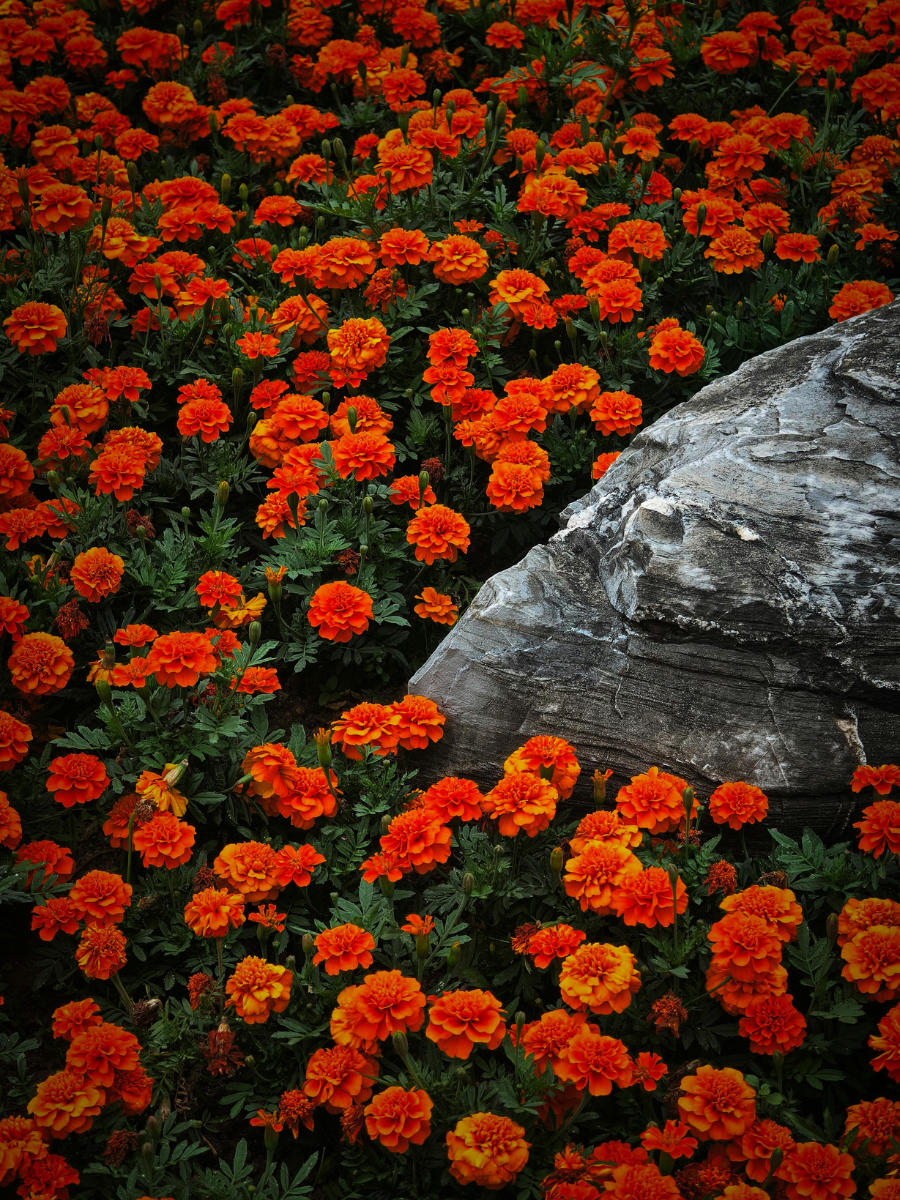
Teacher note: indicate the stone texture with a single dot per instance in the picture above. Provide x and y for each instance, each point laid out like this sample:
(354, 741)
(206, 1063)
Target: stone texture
(725, 603)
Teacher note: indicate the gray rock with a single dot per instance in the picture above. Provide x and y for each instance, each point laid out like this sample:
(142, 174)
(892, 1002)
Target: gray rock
(725, 603)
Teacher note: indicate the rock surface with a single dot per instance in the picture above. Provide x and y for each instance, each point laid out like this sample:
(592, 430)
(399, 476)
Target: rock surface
(724, 604)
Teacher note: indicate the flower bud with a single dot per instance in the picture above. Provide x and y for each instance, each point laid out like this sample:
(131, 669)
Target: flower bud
(571, 331)
(768, 242)
(213, 124)
(254, 633)
(243, 193)
(105, 208)
(646, 171)
(225, 186)
(53, 481)
(499, 854)
(777, 1154)
(185, 513)
(385, 822)
(175, 773)
(24, 192)
(501, 113)
(401, 1045)
(404, 55)
(831, 927)
(250, 1060)
(673, 878)
(293, 501)
(198, 28)
(104, 691)
(270, 1138)
(322, 738)
(153, 1128)
(307, 943)
(147, 1151)
(326, 149)
(522, 96)
(340, 150)
(290, 962)
(422, 946)
(222, 494)
(556, 862)
(98, 142)
(351, 418)
(468, 883)
(277, 188)
(677, 194)
(687, 798)
(701, 218)
(520, 1021)
(368, 505)
(453, 955)
(832, 255)
(777, 1059)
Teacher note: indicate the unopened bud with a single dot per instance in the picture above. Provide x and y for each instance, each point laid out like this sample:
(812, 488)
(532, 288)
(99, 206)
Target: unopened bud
(222, 494)
(556, 862)
(687, 798)
(368, 505)
(499, 853)
(386, 822)
(832, 256)
(147, 1151)
(701, 218)
(254, 633)
(105, 208)
(326, 149)
(244, 193)
(237, 380)
(322, 739)
(351, 418)
(453, 955)
(768, 242)
(250, 1060)
(98, 142)
(468, 883)
(104, 691)
(831, 927)
(213, 123)
(520, 1021)
(401, 1045)
(646, 171)
(540, 152)
(153, 1128)
(185, 513)
(225, 186)
(777, 1154)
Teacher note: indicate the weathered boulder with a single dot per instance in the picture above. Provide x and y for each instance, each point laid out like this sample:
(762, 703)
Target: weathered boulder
(724, 604)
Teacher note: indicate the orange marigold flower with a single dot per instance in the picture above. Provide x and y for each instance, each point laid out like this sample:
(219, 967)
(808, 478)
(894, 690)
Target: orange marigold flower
(717, 1104)
(100, 898)
(250, 868)
(777, 906)
(218, 587)
(544, 753)
(619, 300)
(212, 912)
(164, 841)
(877, 1123)
(773, 1023)
(745, 944)
(76, 779)
(654, 801)
(547, 1038)
(344, 262)
(405, 490)
(41, 664)
(398, 1118)
(798, 247)
(458, 259)
(755, 1148)
(16, 472)
(273, 769)
(675, 349)
(734, 250)
(521, 800)
(518, 289)
(593, 876)
(386, 1002)
(882, 778)
(453, 797)
(417, 839)
(860, 296)
(604, 825)
(487, 1150)
(309, 798)
(57, 862)
(596, 1062)
(337, 1077)
(35, 328)
(357, 347)
(295, 1109)
(73, 1018)
(258, 988)
(159, 788)
(556, 941)
(101, 951)
(13, 616)
(638, 1181)
(179, 659)
(887, 1043)
(438, 532)
(738, 804)
(66, 1103)
(101, 1050)
(417, 722)
(55, 916)
(872, 961)
(135, 635)
(400, 246)
(365, 725)
(436, 606)
(862, 914)
(10, 824)
(295, 864)
(600, 977)
(364, 455)
(344, 948)
(813, 1171)
(645, 898)
(97, 573)
(671, 1140)
(880, 828)
(339, 610)
(459, 1021)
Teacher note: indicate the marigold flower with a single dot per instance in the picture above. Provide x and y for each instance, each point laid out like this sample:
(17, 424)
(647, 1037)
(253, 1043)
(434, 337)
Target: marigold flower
(887, 1043)
(619, 300)
(882, 778)
(35, 328)
(556, 941)
(159, 789)
(717, 1104)
(56, 915)
(344, 948)
(417, 722)
(164, 841)
(773, 1023)
(737, 804)
(364, 455)
(100, 898)
(357, 347)
(365, 725)
(310, 797)
(398, 1118)
(777, 906)
(594, 876)
(600, 977)
(76, 779)
(547, 1038)
(645, 898)
(879, 830)
(639, 1181)
(654, 801)
(258, 988)
(417, 839)
(57, 861)
(386, 1002)
(13, 616)
(273, 769)
(459, 1021)
(344, 262)
(453, 797)
(73, 1018)
(339, 610)
(487, 1150)
(251, 869)
(675, 349)
(754, 1150)
(860, 296)
(604, 825)
(102, 1050)
(10, 824)
(458, 259)
(135, 635)
(179, 659)
(101, 951)
(813, 1171)
(872, 961)
(66, 1103)
(544, 753)
(40, 664)
(521, 800)
(671, 1140)
(295, 1109)
(438, 532)
(213, 912)
(745, 944)
(338, 1076)
(436, 606)
(401, 246)
(877, 1123)
(295, 864)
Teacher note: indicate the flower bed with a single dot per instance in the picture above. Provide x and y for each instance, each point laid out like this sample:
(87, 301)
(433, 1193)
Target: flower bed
(313, 316)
